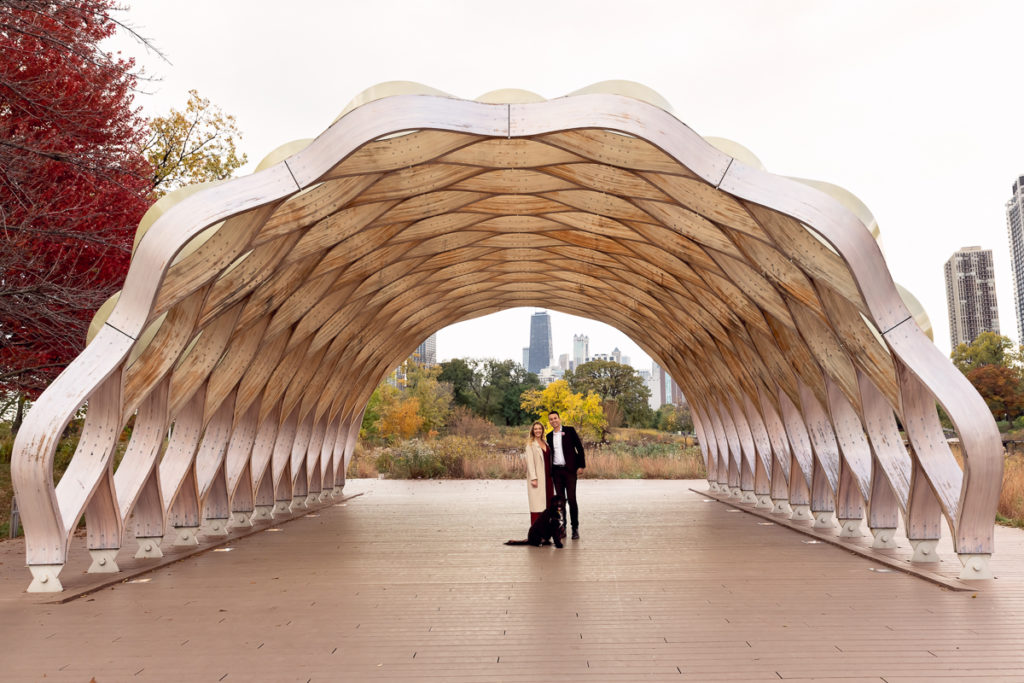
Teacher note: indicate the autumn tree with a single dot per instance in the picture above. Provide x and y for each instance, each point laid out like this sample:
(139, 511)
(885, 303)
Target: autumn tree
(192, 146)
(1002, 388)
(73, 183)
(585, 413)
(995, 368)
(434, 396)
(988, 348)
(619, 385)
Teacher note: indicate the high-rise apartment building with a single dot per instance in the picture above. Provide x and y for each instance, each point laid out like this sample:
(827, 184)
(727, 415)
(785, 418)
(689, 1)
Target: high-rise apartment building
(426, 353)
(1015, 228)
(540, 341)
(580, 349)
(971, 295)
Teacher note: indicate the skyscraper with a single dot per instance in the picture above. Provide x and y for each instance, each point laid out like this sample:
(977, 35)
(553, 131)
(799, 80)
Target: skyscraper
(971, 295)
(426, 353)
(1015, 227)
(580, 349)
(540, 341)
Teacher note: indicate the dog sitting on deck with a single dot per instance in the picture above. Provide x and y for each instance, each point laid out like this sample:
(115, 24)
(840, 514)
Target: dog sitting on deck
(547, 528)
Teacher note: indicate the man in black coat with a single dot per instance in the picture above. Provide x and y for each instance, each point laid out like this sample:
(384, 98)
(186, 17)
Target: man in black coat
(567, 459)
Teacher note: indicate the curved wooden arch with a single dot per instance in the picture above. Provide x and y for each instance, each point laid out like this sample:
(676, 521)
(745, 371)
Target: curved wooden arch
(259, 314)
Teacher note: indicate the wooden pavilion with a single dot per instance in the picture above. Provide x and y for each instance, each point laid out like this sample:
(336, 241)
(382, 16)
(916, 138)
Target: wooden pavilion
(260, 313)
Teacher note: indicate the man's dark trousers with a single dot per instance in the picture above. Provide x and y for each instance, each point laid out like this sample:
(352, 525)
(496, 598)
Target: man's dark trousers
(564, 480)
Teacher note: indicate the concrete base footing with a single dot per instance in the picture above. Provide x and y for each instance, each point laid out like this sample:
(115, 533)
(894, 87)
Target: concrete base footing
(149, 547)
(104, 561)
(216, 526)
(824, 519)
(44, 578)
(748, 497)
(850, 528)
(801, 513)
(976, 566)
(263, 513)
(241, 519)
(299, 503)
(186, 535)
(884, 538)
(282, 507)
(781, 507)
(312, 499)
(735, 492)
(924, 550)
(764, 501)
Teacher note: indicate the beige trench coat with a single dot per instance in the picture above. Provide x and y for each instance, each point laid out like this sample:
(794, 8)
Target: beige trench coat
(535, 470)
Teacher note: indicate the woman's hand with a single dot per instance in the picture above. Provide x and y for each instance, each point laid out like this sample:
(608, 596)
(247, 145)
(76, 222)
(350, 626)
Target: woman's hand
(533, 483)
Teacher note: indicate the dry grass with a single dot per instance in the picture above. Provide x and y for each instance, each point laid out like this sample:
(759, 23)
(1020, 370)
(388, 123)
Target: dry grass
(1011, 499)
(632, 454)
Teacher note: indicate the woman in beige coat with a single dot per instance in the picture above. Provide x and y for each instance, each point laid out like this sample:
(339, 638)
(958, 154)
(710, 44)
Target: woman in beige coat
(538, 472)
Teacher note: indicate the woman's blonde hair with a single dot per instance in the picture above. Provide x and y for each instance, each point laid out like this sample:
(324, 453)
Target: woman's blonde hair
(530, 437)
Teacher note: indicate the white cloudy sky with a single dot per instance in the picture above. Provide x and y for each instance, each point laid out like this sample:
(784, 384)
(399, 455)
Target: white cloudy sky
(915, 107)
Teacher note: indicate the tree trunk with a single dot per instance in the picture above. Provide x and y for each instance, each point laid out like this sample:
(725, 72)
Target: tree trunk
(18, 416)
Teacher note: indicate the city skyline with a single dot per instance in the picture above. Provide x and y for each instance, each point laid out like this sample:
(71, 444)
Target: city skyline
(508, 330)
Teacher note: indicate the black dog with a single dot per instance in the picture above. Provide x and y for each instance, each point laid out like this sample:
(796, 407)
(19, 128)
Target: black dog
(547, 528)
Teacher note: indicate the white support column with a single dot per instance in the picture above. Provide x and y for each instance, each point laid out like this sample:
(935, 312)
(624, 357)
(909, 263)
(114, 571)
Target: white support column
(801, 513)
(884, 538)
(149, 547)
(241, 519)
(924, 550)
(850, 528)
(824, 519)
(186, 535)
(215, 526)
(976, 566)
(104, 561)
(44, 578)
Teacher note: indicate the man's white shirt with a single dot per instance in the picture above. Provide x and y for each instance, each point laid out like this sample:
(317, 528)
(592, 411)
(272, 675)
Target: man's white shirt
(558, 457)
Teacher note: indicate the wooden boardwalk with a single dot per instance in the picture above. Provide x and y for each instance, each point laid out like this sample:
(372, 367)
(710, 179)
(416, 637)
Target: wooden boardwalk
(410, 581)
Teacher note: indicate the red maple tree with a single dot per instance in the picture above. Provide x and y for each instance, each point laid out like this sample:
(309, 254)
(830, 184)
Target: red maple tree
(73, 184)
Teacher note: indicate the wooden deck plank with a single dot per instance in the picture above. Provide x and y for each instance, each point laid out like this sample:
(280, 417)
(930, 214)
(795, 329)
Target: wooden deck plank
(410, 581)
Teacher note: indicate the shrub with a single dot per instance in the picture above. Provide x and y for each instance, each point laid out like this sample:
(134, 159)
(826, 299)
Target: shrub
(1003, 426)
(415, 459)
(464, 422)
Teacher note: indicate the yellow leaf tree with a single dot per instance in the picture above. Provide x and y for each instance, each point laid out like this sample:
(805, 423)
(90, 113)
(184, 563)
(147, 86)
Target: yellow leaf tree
(576, 410)
(192, 146)
(400, 419)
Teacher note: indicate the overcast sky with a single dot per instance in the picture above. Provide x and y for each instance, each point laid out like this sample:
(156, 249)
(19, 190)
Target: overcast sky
(915, 107)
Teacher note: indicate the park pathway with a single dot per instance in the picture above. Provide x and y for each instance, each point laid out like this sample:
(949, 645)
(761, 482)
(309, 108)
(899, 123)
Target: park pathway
(410, 581)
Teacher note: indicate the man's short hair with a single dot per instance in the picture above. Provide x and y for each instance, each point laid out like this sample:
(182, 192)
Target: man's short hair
(553, 412)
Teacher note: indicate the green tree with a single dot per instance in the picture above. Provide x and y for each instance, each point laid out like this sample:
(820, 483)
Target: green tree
(435, 397)
(192, 146)
(461, 374)
(988, 348)
(381, 401)
(673, 418)
(614, 382)
(585, 413)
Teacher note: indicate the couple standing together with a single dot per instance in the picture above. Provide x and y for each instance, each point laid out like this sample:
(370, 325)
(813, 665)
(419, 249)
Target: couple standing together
(557, 461)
